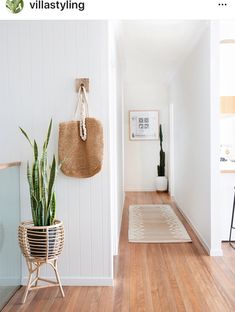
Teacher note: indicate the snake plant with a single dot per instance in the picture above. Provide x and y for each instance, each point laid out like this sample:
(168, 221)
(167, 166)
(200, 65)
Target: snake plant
(41, 180)
(161, 166)
(15, 6)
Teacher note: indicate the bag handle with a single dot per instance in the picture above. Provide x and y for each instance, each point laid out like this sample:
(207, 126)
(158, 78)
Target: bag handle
(82, 107)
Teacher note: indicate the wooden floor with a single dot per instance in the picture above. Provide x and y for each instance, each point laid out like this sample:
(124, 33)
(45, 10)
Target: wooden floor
(149, 277)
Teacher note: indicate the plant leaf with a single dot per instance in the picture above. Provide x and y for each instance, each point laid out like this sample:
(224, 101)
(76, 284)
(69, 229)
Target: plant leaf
(43, 181)
(48, 136)
(34, 209)
(40, 214)
(33, 200)
(35, 179)
(35, 148)
(52, 209)
(29, 177)
(26, 135)
(51, 180)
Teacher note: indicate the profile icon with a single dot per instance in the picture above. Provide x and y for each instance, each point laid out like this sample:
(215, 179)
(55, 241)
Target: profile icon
(15, 6)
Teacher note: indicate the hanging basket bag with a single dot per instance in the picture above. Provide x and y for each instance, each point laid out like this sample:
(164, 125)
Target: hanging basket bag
(81, 142)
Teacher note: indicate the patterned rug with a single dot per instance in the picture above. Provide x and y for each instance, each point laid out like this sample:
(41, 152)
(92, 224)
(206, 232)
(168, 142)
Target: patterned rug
(155, 224)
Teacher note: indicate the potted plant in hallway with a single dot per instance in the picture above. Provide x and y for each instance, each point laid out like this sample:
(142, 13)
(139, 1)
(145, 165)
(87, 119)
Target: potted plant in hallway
(41, 240)
(161, 179)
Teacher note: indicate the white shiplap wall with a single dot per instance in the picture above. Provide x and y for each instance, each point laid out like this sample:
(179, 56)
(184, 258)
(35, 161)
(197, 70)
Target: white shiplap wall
(38, 64)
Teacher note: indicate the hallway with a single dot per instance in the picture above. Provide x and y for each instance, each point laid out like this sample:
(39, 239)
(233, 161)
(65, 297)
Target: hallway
(149, 277)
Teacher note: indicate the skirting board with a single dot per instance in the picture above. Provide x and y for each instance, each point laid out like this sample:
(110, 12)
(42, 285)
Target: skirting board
(116, 249)
(139, 189)
(216, 253)
(210, 252)
(76, 281)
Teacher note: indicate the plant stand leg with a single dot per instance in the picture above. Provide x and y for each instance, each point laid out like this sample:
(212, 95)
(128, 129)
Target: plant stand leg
(37, 273)
(29, 265)
(58, 277)
(232, 226)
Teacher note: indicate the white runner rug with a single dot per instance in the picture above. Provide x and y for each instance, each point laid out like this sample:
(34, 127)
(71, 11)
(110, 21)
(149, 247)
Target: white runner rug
(155, 224)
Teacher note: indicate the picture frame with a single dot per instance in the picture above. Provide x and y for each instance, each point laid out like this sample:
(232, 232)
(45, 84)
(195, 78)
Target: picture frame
(143, 125)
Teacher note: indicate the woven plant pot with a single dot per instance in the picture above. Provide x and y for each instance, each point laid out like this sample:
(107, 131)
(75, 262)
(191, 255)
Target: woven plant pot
(41, 242)
(41, 245)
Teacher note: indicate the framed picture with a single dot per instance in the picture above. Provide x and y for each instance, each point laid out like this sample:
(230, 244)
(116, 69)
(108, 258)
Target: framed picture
(144, 125)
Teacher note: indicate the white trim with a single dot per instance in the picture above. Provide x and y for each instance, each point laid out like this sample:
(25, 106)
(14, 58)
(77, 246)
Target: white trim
(197, 233)
(116, 250)
(216, 253)
(210, 252)
(77, 281)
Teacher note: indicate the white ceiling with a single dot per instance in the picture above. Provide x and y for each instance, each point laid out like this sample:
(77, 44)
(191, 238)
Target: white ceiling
(154, 49)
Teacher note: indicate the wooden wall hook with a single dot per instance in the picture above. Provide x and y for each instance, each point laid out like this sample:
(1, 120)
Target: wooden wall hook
(82, 81)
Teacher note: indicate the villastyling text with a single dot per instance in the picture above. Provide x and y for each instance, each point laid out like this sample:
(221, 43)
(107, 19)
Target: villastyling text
(57, 5)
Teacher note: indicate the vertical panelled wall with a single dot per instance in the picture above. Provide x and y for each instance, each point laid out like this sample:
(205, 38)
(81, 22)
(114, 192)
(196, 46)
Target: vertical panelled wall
(39, 62)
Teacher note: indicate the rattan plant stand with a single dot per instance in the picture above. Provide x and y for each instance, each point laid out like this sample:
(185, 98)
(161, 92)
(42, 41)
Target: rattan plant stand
(41, 245)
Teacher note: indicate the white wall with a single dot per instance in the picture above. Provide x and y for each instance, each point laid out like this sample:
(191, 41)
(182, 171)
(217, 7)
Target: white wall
(191, 96)
(227, 66)
(142, 157)
(215, 247)
(39, 62)
(227, 87)
(116, 130)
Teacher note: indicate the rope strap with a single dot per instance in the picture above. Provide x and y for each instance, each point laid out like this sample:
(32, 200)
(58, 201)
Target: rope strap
(82, 107)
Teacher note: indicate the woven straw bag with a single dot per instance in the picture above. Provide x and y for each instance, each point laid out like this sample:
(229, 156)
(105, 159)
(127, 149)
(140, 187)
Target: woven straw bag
(81, 142)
